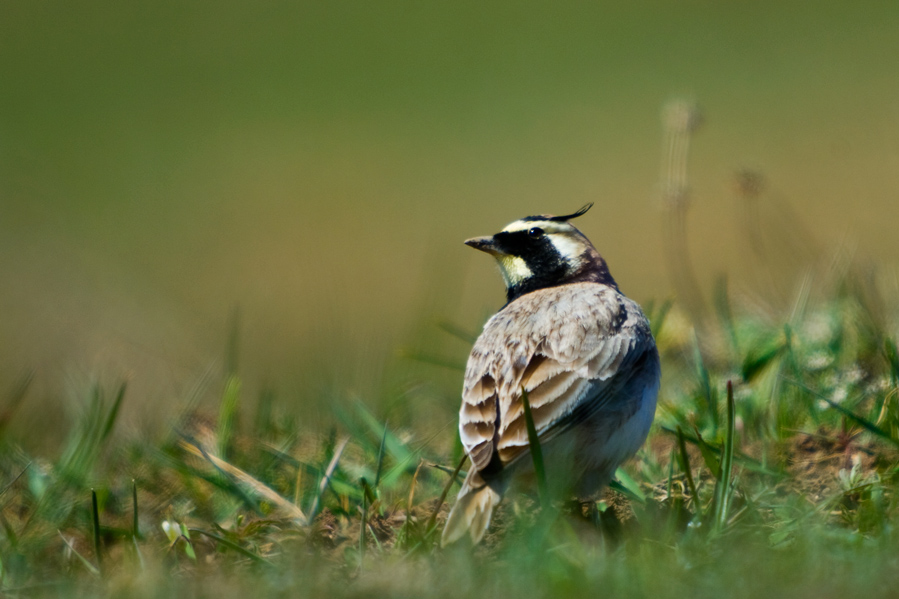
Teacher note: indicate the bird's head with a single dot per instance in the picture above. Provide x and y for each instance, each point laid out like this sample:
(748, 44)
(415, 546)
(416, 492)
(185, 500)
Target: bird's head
(542, 251)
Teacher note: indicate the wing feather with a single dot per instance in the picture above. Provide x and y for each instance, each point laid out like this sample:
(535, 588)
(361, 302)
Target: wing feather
(478, 419)
(514, 438)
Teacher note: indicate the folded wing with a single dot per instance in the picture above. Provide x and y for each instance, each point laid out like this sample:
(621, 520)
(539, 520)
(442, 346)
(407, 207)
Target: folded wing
(570, 366)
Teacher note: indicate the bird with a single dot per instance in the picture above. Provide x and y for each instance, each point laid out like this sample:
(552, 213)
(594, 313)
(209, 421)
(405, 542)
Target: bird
(581, 351)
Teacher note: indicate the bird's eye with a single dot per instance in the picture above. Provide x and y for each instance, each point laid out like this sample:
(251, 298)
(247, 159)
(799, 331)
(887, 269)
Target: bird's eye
(535, 233)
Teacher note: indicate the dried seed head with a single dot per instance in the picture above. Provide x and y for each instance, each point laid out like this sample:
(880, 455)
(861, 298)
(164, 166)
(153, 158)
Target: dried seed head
(748, 183)
(681, 116)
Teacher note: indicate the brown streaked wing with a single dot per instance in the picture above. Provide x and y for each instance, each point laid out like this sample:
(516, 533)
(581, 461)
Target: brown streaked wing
(514, 437)
(559, 402)
(477, 420)
(546, 392)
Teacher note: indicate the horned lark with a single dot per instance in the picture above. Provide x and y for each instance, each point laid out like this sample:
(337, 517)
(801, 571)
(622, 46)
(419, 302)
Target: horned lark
(584, 354)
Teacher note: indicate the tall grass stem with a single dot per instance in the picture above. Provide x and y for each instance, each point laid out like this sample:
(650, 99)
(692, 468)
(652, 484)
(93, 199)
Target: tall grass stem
(536, 451)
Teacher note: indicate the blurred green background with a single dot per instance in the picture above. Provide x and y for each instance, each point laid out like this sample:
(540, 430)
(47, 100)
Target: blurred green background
(317, 165)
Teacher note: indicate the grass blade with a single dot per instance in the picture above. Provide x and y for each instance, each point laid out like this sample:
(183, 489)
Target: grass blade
(392, 444)
(745, 461)
(758, 358)
(15, 400)
(685, 466)
(455, 472)
(258, 488)
(13, 481)
(863, 422)
(329, 471)
(113, 413)
(95, 515)
(135, 527)
(534, 442)
(381, 456)
(364, 522)
(657, 317)
(432, 360)
(458, 332)
(232, 350)
(723, 489)
(228, 414)
(340, 487)
(627, 486)
(725, 314)
(405, 529)
(449, 484)
(892, 357)
(188, 544)
(231, 545)
(709, 455)
(705, 386)
(137, 552)
(90, 567)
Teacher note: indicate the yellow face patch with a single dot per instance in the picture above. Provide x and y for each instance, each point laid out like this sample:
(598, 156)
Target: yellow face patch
(513, 269)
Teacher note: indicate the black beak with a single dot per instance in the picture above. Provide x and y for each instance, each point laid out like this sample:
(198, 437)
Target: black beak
(485, 244)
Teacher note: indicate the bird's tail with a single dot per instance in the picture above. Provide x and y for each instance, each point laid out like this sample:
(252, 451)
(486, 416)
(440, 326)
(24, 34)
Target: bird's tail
(473, 509)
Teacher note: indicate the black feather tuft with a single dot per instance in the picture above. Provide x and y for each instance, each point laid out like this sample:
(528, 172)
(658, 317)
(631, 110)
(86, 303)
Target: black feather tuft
(567, 217)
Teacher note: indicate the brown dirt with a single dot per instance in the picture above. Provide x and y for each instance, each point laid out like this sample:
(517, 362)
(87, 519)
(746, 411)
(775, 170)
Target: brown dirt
(813, 462)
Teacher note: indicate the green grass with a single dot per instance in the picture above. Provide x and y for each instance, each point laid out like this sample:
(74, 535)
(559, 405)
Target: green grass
(771, 470)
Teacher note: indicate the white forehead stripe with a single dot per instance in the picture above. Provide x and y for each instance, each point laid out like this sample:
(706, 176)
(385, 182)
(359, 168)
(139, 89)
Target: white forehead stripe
(547, 225)
(514, 269)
